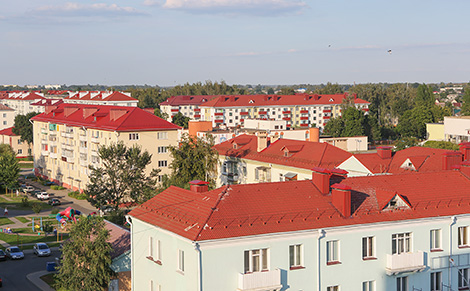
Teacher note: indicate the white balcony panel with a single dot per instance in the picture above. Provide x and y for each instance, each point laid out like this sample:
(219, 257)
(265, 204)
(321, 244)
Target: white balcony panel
(260, 281)
(405, 262)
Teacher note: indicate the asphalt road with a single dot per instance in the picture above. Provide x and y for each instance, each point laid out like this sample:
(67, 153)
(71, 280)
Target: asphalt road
(13, 272)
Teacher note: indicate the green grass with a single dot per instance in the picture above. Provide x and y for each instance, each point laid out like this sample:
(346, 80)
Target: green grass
(16, 203)
(14, 239)
(23, 219)
(5, 220)
(26, 165)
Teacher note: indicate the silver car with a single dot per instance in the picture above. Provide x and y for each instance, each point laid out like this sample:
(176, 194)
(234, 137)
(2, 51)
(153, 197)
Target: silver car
(14, 253)
(42, 250)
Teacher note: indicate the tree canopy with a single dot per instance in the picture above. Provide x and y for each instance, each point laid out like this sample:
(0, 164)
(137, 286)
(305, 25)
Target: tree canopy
(181, 120)
(24, 128)
(86, 257)
(193, 159)
(353, 122)
(9, 168)
(121, 177)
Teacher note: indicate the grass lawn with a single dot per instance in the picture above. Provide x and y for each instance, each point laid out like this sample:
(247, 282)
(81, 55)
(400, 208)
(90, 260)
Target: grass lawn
(14, 239)
(23, 219)
(4, 220)
(26, 165)
(16, 203)
(49, 279)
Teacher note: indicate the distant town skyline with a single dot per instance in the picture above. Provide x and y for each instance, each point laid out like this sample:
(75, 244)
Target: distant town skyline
(171, 42)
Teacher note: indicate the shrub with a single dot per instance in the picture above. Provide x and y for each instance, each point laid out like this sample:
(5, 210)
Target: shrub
(77, 195)
(48, 227)
(55, 210)
(25, 201)
(36, 207)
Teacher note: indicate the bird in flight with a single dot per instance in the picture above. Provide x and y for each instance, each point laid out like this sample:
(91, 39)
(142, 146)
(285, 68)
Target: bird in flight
(389, 51)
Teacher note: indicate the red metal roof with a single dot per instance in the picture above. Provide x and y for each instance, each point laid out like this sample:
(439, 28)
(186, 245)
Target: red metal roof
(4, 107)
(252, 209)
(187, 100)
(129, 118)
(7, 131)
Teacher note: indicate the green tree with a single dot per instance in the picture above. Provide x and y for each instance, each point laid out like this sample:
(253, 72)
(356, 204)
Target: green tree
(193, 159)
(121, 177)
(406, 142)
(86, 257)
(158, 112)
(466, 101)
(424, 96)
(9, 168)
(413, 122)
(181, 120)
(353, 122)
(24, 128)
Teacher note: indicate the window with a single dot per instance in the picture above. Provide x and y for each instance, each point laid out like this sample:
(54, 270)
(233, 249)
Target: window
(20, 141)
(401, 243)
(162, 150)
(20, 151)
(295, 256)
(402, 284)
(256, 260)
(368, 245)
(436, 281)
(463, 279)
(332, 248)
(162, 135)
(368, 286)
(4, 123)
(332, 288)
(4, 115)
(180, 260)
(162, 163)
(154, 249)
(463, 236)
(230, 168)
(435, 239)
(133, 136)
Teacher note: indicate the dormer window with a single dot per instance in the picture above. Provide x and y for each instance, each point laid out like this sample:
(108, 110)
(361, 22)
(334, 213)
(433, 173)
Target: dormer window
(397, 202)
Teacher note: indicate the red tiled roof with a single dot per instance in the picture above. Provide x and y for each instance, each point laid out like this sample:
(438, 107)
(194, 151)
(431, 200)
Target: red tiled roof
(252, 209)
(187, 100)
(119, 238)
(129, 118)
(304, 154)
(280, 100)
(4, 107)
(7, 131)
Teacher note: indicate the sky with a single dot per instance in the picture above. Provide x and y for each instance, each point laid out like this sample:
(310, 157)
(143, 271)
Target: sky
(269, 42)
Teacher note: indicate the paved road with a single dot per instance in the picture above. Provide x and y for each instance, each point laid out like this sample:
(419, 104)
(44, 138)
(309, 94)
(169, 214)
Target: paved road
(13, 272)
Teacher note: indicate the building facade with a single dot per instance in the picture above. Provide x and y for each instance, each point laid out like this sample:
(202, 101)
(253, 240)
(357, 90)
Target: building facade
(67, 138)
(113, 98)
(20, 147)
(7, 117)
(22, 102)
(397, 232)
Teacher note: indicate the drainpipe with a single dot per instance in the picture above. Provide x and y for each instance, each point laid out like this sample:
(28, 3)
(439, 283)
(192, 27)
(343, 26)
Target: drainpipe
(129, 220)
(453, 219)
(321, 234)
(199, 261)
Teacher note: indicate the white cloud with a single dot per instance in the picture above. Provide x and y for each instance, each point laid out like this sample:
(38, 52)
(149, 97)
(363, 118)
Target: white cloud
(152, 2)
(78, 9)
(235, 7)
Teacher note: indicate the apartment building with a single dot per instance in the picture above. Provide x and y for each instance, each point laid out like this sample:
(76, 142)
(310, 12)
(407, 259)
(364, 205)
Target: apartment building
(67, 138)
(7, 117)
(22, 102)
(20, 147)
(187, 105)
(399, 232)
(114, 98)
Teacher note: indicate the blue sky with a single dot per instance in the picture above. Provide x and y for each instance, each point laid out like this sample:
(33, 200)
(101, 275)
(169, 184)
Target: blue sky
(170, 42)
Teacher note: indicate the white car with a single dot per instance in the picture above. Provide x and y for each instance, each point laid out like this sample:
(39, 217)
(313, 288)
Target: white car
(42, 196)
(41, 249)
(28, 189)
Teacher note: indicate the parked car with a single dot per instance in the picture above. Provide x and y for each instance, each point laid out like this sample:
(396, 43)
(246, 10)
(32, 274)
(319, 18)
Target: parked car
(54, 202)
(49, 183)
(14, 253)
(1, 284)
(35, 193)
(3, 256)
(28, 189)
(42, 196)
(41, 249)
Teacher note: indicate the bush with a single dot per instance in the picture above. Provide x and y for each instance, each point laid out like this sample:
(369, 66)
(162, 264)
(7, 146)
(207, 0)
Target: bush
(25, 201)
(48, 227)
(36, 207)
(116, 217)
(77, 195)
(56, 187)
(55, 210)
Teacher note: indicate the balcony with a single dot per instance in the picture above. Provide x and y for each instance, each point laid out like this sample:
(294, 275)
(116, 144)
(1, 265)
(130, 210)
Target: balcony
(197, 109)
(286, 112)
(52, 133)
(44, 153)
(66, 134)
(231, 177)
(326, 111)
(83, 150)
(44, 131)
(95, 139)
(174, 110)
(304, 124)
(53, 155)
(304, 118)
(326, 117)
(405, 262)
(262, 112)
(84, 163)
(197, 115)
(286, 118)
(260, 281)
(219, 114)
(219, 121)
(243, 113)
(303, 111)
(82, 138)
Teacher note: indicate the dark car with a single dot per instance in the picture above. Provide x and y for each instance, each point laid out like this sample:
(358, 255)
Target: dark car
(3, 256)
(1, 282)
(49, 183)
(54, 202)
(14, 253)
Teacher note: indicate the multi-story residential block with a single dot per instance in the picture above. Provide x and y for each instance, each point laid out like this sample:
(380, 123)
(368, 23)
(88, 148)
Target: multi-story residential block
(20, 147)
(7, 117)
(114, 98)
(67, 138)
(22, 102)
(300, 110)
(187, 105)
(388, 232)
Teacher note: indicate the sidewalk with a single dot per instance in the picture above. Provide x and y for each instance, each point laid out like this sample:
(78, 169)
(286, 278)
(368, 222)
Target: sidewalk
(35, 278)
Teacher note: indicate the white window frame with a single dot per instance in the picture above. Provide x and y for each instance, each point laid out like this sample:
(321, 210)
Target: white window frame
(180, 263)
(296, 259)
(368, 247)
(162, 135)
(256, 260)
(368, 285)
(162, 149)
(134, 136)
(402, 283)
(463, 236)
(333, 288)
(463, 278)
(402, 243)
(162, 163)
(436, 281)
(436, 239)
(332, 251)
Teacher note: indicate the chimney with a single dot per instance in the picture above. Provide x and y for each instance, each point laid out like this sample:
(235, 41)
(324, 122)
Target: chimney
(199, 186)
(338, 175)
(465, 150)
(384, 152)
(314, 134)
(465, 168)
(262, 141)
(341, 198)
(450, 159)
(321, 179)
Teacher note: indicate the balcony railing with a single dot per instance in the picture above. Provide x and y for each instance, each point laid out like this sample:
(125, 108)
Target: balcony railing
(82, 138)
(270, 280)
(44, 153)
(405, 262)
(83, 150)
(53, 155)
(95, 139)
